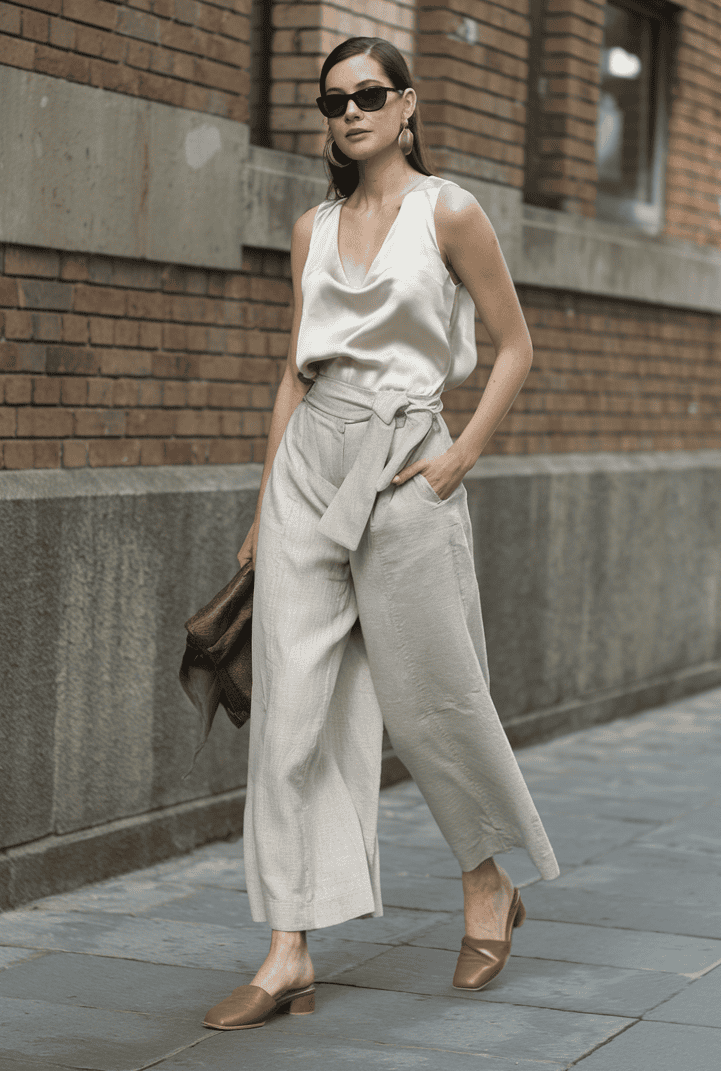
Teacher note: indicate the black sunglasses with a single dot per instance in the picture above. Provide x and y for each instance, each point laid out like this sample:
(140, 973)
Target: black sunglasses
(371, 99)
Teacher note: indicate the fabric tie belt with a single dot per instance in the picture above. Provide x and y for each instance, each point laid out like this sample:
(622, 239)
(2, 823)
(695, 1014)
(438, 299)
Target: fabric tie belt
(346, 517)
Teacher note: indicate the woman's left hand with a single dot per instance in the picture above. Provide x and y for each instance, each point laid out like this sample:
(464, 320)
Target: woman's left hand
(444, 473)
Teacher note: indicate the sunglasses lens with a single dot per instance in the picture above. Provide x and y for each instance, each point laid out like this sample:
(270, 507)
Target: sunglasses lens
(368, 100)
(371, 99)
(334, 105)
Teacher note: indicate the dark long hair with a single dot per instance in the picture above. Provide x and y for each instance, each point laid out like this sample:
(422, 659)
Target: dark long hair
(343, 180)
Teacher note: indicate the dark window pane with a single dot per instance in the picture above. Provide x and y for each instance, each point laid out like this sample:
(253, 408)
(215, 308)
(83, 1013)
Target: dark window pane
(261, 32)
(625, 129)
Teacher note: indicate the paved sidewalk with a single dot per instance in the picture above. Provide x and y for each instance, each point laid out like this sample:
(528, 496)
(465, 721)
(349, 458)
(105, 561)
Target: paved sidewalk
(618, 967)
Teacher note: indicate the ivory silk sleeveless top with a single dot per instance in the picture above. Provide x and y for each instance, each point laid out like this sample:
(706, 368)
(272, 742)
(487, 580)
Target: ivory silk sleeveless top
(407, 326)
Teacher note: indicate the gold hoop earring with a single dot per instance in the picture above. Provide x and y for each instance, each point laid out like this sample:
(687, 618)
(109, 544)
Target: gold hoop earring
(405, 139)
(331, 157)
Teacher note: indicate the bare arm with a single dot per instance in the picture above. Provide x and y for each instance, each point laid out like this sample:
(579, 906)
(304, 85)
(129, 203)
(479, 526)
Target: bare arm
(290, 389)
(475, 254)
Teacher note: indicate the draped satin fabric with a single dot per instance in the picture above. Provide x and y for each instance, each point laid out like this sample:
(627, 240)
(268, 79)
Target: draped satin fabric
(406, 326)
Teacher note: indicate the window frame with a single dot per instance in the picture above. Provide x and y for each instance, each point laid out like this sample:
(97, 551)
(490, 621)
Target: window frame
(649, 216)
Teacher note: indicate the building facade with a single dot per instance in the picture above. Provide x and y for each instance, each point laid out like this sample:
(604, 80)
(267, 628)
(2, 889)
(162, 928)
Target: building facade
(154, 155)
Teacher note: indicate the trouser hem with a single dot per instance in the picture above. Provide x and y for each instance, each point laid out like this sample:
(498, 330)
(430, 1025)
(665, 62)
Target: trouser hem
(316, 916)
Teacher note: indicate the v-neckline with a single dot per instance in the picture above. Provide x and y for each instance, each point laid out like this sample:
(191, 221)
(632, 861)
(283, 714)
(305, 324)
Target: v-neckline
(383, 243)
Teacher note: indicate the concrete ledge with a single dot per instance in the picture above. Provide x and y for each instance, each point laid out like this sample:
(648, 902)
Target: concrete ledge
(599, 580)
(102, 172)
(570, 252)
(61, 863)
(88, 170)
(617, 703)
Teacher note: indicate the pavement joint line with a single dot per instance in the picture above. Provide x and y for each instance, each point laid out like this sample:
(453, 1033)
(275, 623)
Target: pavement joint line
(502, 1003)
(603, 1044)
(706, 970)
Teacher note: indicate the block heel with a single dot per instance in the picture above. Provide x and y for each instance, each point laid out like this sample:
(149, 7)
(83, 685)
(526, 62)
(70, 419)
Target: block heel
(520, 914)
(304, 1005)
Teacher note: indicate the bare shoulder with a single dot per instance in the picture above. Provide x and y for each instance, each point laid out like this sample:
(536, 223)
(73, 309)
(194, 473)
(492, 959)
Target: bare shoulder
(303, 226)
(300, 242)
(459, 214)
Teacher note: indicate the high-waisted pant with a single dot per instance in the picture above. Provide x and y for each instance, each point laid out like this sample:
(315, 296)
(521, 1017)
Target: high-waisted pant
(347, 639)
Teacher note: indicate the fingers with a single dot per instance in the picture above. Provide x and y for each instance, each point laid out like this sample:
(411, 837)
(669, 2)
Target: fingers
(410, 472)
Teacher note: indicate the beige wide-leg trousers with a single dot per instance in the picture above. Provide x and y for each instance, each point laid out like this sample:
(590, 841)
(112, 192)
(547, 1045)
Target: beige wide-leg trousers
(366, 610)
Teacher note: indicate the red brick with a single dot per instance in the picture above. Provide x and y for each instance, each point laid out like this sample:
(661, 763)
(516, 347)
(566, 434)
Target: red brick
(36, 25)
(71, 360)
(99, 299)
(17, 390)
(101, 331)
(94, 12)
(44, 423)
(8, 421)
(14, 52)
(47, 455)
(152, 452)
(47, 326)
(75, 454)
(229, 452)
(62, 33)
(125, 363)
(10, 19)
(113, 452)
(61, 64)
(150, 392)
(150, 422)
(117, 393)
(18, 324)
(46, 390)
(18, 455)
(99, 422)
(74, 328)
(73, 390)
(37, 262)
(22, 357)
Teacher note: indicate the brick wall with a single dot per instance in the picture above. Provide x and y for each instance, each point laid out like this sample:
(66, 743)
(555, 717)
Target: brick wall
(693, 188)
(115, 362)
(606, 375)
(472, 68)
(189, 53)
(570, 33)
(106, 362)
(304, 34)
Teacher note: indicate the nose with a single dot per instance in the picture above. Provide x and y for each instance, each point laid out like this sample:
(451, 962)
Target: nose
(352, 108)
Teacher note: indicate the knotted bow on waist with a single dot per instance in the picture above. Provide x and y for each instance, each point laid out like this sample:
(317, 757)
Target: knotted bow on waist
(345, 519)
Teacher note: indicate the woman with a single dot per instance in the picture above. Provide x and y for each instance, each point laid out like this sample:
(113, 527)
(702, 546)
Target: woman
(366, 606)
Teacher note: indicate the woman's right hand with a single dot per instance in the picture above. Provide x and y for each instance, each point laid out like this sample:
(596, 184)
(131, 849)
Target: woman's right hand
(250, 545)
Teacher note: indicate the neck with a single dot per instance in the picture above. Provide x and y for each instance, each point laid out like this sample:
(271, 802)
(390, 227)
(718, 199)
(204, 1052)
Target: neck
(384, 178)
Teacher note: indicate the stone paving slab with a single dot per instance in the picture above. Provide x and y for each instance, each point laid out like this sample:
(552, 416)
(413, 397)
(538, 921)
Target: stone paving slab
(539, 983)
(608, 909)
(90, 1037)
(214, 864)
(614, 948)
(658, 1047)
(260, 1051)
(448, 1024)
(180, 944)
(605, 946)
(618, 967)
(119, 984)
(696, 831)
(699, 1004)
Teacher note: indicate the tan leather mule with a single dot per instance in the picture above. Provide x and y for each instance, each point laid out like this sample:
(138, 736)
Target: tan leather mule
(249, 1006)
(480, 958)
